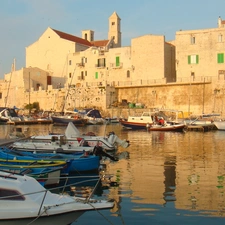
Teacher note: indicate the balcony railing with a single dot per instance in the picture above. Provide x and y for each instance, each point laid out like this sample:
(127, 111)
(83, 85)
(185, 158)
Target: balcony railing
(80, 64)
(116, 66)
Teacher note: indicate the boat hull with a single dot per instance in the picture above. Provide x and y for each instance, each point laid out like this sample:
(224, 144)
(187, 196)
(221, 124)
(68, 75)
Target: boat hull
(25, 201)
(177, 128)
(134, 125)
(61, 219)
(220, 125)
(65, 120)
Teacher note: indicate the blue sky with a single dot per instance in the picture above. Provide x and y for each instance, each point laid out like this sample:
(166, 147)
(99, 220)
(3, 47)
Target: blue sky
(22, 22)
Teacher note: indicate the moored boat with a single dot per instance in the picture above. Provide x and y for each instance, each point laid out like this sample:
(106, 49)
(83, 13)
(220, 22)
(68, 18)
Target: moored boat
(65, 119)
(93, 116)
(73, 162)
(167, 127)
(154, 121)
(220, 124)
(25, 201)
(73, 135)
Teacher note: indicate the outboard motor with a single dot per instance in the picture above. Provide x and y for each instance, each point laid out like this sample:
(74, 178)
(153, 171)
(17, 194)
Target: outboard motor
(98, 151)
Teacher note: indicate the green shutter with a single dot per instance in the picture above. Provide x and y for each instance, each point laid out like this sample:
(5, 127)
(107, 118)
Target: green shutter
(96, 75)
(220, 58)
(117, 61)
(189, 59)
(197, 59)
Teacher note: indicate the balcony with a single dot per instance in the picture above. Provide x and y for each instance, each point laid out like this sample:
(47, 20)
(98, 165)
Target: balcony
(80, 64)
(99, 66)
(116, 65)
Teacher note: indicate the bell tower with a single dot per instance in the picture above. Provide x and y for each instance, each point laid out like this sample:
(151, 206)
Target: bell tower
(114, 30)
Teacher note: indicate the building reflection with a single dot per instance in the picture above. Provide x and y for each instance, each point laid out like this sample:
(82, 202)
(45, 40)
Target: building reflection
(170, 179)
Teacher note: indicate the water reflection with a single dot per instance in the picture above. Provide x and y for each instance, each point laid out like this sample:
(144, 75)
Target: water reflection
(163, 178)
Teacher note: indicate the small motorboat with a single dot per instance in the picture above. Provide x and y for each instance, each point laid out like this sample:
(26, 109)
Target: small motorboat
(167, 127)
(93, 116)
(52, 143)
(25, 201)
(155, 121)
(73, 137)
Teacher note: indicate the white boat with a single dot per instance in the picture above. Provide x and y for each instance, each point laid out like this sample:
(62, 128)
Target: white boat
(25, 201)
(93, 116)
(202, 119)
(158, 120)
(8, 115)
(51, 143)
(220, 124)
(73, 135)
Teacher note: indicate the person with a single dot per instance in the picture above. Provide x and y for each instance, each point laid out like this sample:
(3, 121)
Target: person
(161, 121)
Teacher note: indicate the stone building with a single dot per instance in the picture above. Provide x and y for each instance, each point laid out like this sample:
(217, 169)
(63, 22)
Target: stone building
(186, 74)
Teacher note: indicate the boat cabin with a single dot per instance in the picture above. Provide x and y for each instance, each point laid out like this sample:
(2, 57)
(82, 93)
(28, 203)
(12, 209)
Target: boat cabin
(146, 117)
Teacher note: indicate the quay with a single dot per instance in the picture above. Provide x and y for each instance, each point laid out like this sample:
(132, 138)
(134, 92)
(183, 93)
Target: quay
(203, 128)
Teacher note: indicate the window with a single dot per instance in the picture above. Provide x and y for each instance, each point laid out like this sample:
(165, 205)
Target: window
(70, 75)
(113, 23)
(11, 195)
(193, 59)
(85, 73)
(192, 40)
(70, 62)
(128, 73)
(220, 38)
(0, 95)
(83, 60)
(82, 75)
(96, 75)
(117, 61)
(101, 62)
(220, 58)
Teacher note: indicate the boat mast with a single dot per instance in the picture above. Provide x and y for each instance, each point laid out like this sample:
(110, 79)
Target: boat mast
(12, 69)
(67, 94)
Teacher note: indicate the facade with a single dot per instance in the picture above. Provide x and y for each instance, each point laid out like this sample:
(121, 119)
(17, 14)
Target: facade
(18, 86)
(200, 54)
(84, 72)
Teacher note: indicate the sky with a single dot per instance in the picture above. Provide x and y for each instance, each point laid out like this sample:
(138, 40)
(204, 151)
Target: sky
(22, 22)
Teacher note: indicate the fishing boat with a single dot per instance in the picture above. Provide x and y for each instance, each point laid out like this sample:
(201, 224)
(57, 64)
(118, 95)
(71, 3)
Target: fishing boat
(8, 115)
(25, 201)
(45, 176)
(46, 172)
(109, 142)
(54, 143)
(93, 116)
(78, 163)
(68, 117)
(167, 127)
(157, 120)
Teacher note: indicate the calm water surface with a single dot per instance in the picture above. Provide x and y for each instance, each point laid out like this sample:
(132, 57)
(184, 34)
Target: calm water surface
(163, 178)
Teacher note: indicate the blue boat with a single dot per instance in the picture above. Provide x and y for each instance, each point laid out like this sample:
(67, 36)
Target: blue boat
(75, 162)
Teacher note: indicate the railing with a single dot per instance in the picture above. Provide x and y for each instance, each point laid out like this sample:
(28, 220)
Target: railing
(115, 66)
(153, 82)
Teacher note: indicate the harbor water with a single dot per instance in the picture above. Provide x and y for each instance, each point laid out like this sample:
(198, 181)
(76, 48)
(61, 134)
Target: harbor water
(163, 178)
